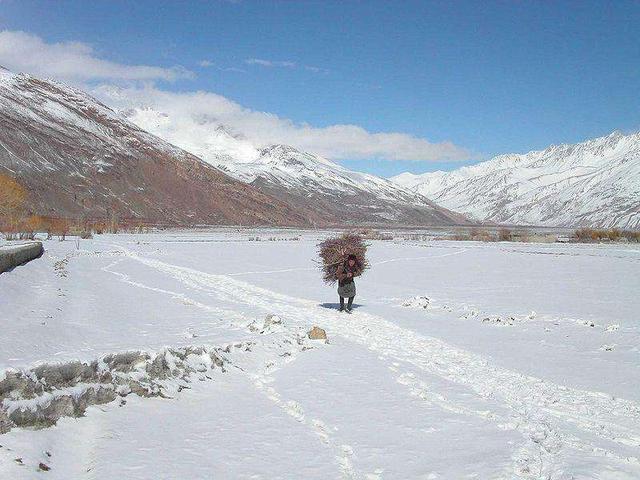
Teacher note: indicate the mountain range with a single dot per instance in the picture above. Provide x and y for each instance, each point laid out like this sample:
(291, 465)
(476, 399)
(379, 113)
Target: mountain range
(594, 184)
(79, 158)
(328, 192)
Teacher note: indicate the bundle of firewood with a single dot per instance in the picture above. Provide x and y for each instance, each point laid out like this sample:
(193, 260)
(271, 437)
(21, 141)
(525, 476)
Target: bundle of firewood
(334, 252)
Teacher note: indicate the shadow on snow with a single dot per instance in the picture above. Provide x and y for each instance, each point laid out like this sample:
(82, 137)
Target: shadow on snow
(336, 306)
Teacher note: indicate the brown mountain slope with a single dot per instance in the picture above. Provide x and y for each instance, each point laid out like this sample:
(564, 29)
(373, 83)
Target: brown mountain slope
(78, 158)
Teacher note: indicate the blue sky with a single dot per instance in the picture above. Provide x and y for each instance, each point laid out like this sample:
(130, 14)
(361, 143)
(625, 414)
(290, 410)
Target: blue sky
(490, 77)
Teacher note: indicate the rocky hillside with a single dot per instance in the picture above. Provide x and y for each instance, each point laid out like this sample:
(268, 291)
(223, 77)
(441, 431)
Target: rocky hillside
(78, 158)
(594, 183)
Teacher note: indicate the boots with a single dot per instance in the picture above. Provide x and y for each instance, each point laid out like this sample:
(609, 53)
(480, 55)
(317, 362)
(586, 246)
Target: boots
(350, 304)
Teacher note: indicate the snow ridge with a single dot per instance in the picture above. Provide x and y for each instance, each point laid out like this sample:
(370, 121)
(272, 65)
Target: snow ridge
(595, 183)
(40, 396)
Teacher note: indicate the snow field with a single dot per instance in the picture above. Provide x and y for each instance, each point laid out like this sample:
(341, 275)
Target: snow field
(425, 390)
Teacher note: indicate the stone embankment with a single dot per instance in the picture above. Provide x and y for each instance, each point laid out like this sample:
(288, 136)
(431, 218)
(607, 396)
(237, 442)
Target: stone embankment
(13, 255)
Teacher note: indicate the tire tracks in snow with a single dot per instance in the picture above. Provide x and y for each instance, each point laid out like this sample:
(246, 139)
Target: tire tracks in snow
(551, 417)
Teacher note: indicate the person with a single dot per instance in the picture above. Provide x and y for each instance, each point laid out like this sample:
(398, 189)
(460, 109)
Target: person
(345, 274)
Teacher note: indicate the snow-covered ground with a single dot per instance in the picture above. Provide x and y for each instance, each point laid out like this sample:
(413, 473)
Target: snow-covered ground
(461, 360)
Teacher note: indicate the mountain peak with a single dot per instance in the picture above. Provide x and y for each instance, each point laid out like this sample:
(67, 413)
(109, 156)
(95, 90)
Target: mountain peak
(278, 150)
(594, 183)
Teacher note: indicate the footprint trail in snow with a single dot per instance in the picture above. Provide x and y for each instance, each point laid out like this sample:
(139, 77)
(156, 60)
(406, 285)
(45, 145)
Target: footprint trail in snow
(556, 422)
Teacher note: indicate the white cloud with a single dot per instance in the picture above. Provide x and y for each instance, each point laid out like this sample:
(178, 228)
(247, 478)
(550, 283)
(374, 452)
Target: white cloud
(200, 121)
(286, 64)
(233, 69)
(313, 69)
(72, 61)
(210, 64)
(204, 121)
(269, 63)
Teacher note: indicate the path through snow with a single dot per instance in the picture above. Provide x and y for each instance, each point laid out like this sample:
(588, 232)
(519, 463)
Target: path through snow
(558, 424)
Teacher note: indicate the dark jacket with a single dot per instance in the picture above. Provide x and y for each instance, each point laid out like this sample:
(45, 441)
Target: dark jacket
(342, 273)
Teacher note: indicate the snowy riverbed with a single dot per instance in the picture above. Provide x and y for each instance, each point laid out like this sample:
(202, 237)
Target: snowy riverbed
(461, 360)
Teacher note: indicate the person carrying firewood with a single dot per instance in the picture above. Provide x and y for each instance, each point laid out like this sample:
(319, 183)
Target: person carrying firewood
(343, 258)
(345, 274)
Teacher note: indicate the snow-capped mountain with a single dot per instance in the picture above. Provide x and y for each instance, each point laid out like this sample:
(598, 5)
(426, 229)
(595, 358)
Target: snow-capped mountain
(594, 183)
(78, 158)
(331, 193)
